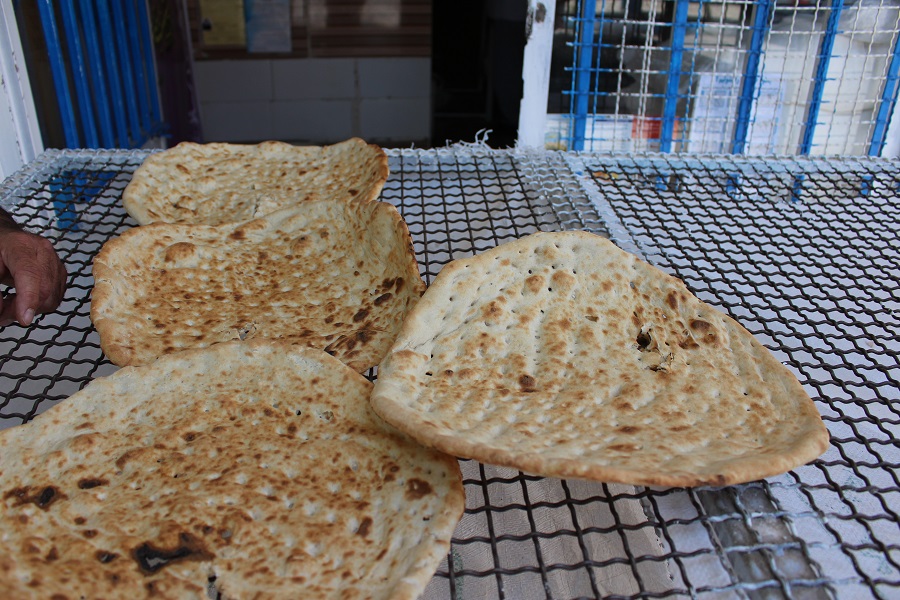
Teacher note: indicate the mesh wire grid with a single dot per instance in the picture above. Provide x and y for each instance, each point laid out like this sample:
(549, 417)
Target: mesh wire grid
(799, 251)
(762, 77)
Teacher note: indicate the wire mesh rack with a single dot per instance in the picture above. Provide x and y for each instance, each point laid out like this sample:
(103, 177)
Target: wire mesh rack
(802, 252)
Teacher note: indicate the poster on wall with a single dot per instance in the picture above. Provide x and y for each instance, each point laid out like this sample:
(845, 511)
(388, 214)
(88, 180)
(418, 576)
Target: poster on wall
(222, 23)
(268, 25)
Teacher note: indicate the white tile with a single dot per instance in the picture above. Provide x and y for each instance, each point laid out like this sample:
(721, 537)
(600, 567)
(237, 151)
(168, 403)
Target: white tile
(313, 121)
(237, 121)
(233, 80)
(314, 78)
(395, 77)
(402, 120)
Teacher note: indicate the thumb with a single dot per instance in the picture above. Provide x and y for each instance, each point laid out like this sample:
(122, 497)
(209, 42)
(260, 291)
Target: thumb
(28, 287)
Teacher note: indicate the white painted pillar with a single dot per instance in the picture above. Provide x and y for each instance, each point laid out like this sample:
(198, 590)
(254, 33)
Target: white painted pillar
(536, 73)
(20, 135)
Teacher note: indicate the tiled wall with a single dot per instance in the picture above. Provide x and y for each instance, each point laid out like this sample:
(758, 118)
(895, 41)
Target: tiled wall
(325, 100)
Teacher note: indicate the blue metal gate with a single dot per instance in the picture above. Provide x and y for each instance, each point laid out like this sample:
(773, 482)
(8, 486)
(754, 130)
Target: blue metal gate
(764, 77)
(104, 50)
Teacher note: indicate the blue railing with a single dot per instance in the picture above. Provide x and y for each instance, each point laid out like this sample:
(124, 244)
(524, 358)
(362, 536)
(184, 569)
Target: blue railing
(679, 30)
(889, 94)
(751, 74)
(583, 68)
(823, 59)
(105, 50)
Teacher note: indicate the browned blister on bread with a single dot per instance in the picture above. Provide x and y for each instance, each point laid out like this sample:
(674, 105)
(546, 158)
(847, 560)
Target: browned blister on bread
(216, 183)
(332, 275)
(562, 355)
(259, 464)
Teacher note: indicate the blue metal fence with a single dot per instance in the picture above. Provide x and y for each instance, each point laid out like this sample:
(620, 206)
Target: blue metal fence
(104, 51)
(888, 103)
(766, 76)
(751, 75)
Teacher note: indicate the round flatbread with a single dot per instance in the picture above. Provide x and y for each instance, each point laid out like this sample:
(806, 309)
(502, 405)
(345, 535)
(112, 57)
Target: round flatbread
(212, 184)
(259, 464)
(562, 355)
(332, 275)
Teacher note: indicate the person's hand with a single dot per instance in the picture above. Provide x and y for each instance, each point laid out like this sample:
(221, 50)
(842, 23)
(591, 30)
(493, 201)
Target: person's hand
(29, 264)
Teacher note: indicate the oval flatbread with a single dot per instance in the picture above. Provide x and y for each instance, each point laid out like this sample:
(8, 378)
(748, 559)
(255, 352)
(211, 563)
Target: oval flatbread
(259, 464)
(562, 355)
(218, 183)
(332, 275)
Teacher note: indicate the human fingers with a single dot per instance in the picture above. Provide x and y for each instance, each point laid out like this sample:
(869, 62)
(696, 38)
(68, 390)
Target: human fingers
(5, 275)
(62, 280)
(7, 305)
(38, 275)
(52, 288)
(7, 310)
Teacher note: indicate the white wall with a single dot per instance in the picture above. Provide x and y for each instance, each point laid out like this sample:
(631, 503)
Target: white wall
(316, 100)
(20, 136)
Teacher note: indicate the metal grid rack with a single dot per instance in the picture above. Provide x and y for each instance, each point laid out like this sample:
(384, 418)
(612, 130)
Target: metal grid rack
(731, 76)
(801, 252)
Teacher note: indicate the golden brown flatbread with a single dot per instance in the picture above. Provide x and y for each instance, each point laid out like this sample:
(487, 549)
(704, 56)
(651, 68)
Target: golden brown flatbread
(562, 355)
(212, 184)
(333, 275)
(260, 464)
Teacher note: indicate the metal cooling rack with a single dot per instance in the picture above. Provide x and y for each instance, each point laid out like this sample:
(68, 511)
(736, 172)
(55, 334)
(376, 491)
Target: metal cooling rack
(802, 252)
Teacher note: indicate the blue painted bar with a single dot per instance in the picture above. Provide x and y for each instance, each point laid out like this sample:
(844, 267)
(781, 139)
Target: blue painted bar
(662, 181)
(78, 69)
(71, 188)
(761, 21)
(138, 66)
(888, 103)
(679, 27)
(120, 36)
(866, 184)
(583, 62)
(733, 182)
(797, 187)
(826, 48)
(58, 71)
(99, 81)
(64, 201)
(150, 64)
(112, 72)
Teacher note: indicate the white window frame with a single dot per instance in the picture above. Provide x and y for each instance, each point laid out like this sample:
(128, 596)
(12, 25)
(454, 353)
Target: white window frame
(20, 134)
(536, 74)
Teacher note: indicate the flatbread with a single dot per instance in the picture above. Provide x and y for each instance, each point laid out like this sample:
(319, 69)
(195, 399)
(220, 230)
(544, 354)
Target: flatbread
(333, 275)
(562, 355)
(259, 464)
(212, 184)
